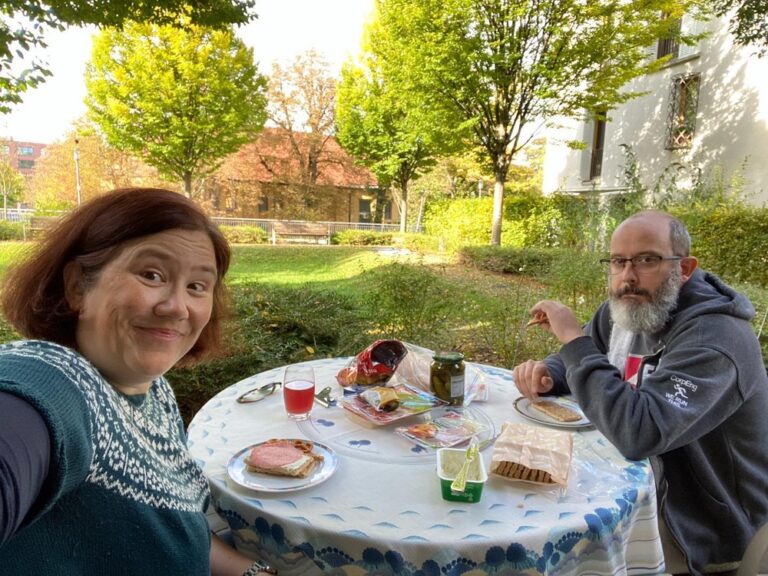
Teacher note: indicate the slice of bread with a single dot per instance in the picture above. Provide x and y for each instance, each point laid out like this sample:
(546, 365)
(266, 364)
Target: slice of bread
(556, 411)
(520, 472)
(293, 458)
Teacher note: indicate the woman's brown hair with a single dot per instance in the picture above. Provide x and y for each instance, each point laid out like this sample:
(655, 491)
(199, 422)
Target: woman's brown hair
(33, 298)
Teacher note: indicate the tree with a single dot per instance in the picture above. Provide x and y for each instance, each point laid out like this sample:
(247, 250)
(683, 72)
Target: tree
(101, 168)
(383, 124)
(180, 99)
(301, 102)
(749, 23)
(504, 65)
(12, 185)
(24, 23)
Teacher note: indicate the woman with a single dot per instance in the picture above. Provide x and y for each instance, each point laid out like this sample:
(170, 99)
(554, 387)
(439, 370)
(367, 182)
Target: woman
(94, 473)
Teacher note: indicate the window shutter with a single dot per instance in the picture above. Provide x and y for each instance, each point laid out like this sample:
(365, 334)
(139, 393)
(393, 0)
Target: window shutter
(586, 153)
(690, 25)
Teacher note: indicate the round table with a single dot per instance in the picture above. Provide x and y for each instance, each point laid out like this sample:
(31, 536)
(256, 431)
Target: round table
(382, 512)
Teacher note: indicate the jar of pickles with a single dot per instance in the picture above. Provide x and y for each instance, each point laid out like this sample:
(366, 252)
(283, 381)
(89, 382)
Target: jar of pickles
(446, 377)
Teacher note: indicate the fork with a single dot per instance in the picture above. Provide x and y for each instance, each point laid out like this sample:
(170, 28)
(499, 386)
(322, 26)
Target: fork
(460, 482)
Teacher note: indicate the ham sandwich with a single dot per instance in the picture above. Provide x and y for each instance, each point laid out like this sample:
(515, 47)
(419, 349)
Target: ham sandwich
(293, 458)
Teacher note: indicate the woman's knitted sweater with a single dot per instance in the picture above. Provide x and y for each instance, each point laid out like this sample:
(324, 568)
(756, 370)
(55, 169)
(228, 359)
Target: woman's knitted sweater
(122, 496)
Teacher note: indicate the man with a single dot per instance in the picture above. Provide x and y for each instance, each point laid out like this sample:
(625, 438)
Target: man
(670, 369)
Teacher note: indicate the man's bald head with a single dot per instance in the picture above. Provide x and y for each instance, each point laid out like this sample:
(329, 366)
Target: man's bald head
(679, 239)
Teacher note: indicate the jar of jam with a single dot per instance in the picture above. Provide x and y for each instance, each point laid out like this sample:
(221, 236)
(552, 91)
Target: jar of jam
(446, 377)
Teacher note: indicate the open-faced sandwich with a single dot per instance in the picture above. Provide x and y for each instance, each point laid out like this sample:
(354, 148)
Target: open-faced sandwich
(293, 458)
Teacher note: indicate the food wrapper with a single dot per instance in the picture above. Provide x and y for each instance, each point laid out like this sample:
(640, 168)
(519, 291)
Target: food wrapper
(374, 365)
(532, 454)
(381, 398)
(395, 363)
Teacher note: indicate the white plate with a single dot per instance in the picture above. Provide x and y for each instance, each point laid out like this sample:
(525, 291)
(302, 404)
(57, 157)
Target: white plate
(238, 471)
(523, 405)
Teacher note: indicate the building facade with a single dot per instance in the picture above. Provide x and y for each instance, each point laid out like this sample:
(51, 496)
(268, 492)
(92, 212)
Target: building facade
(277, 177)
(22, 156)
(705, 113)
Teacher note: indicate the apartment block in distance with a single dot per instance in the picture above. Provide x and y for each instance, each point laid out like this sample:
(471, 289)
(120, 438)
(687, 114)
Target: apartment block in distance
(22, 156)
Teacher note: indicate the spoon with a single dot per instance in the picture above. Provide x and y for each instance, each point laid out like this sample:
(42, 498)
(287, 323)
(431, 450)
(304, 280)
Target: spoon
(460, 482)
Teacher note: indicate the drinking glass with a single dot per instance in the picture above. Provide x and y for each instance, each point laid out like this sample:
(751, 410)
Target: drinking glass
(298, 391)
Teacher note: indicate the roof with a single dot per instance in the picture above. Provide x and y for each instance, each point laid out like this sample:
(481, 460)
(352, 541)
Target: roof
(274, 158)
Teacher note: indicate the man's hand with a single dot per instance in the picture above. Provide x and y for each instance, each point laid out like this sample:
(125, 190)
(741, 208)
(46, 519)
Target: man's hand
(532, 378)
(561, 321)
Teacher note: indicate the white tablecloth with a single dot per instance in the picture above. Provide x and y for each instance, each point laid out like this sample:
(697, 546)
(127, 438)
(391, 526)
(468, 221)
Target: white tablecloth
(382, 512)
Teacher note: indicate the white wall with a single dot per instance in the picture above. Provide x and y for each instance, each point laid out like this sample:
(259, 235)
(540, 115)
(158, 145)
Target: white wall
(731, 123)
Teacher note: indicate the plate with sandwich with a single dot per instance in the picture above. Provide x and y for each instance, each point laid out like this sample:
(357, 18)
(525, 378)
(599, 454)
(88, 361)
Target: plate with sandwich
(282, 465)
(556, 411)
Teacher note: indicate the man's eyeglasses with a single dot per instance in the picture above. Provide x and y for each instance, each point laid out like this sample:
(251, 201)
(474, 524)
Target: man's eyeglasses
(642, 264)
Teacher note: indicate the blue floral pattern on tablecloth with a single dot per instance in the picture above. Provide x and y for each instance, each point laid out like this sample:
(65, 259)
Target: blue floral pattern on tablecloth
(603, 523)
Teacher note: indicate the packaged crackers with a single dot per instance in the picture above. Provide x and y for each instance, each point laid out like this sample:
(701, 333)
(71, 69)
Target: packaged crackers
(532, 454)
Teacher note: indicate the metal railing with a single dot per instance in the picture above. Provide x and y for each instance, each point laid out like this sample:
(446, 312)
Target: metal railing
(24, 215)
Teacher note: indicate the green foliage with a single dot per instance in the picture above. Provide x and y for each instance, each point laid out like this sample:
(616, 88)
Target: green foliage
(407, 301)
(244, 234)
(24, 24)
(532, 262)
(11, 230)
(362, 238)
(749, 23)
(273, 326)
(459, 222)
(421, 243)
(731, 241)
(500, 65)
(383, 123)
(182, 99)
(12, 184)
(577, 280)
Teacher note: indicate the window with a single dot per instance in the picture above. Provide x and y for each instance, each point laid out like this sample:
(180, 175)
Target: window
(594, 139)
(263, 204)
(364, 210)
(683, 103)
(25, 151)
(26, 164)
(669, 46)
(388, 210)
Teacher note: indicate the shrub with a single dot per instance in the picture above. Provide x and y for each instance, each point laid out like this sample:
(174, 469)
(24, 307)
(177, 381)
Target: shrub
(460, 222)
(11, 230)
(244, 234)
(731, 241)
(420, 242)
(533, 262)
(362, 238)
(408, 301)
(271, 327)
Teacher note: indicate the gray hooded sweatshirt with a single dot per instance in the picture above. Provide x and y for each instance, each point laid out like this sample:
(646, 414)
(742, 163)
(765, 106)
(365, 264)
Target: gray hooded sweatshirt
(699, 411)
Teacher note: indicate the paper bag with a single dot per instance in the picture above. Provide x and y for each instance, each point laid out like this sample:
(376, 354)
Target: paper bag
(532, 454)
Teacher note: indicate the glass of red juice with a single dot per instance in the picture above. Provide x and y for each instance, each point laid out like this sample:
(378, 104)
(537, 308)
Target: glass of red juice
(298, 390)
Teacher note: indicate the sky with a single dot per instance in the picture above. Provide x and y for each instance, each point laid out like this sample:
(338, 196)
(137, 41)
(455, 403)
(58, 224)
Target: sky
(283, 30)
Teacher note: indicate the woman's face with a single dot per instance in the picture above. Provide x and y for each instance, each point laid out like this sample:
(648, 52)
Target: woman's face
(146, 308)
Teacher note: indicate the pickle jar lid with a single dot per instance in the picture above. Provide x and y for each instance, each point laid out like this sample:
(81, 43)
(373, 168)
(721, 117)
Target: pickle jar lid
(448, 357)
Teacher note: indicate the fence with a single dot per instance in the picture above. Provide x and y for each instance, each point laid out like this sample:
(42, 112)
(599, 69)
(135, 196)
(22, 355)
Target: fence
(25, 215)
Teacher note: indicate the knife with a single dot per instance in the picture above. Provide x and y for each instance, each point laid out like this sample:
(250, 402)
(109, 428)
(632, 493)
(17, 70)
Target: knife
(324, 397)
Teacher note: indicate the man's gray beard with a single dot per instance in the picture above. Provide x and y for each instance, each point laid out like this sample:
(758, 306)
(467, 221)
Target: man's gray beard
(648, 317)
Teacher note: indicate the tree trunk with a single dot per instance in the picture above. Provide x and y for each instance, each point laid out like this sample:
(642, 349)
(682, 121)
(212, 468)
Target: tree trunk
(188, 184)
(404, 206)
(498, 205)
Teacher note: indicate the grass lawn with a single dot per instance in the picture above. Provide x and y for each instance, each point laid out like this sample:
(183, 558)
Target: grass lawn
(293, 303)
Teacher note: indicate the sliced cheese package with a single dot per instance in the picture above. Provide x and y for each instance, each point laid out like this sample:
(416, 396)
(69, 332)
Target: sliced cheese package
(532, 454)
